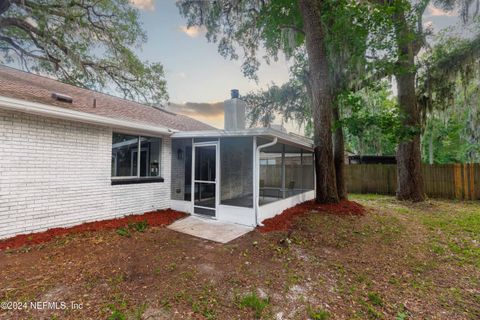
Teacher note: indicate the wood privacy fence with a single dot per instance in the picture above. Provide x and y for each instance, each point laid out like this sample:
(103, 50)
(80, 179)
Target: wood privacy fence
(302, 176)
(451, 181)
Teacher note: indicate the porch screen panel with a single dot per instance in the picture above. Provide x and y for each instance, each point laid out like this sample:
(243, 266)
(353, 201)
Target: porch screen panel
(308, 172)
(293, 172)
(271, 173)
(236, 171)
(181, 186)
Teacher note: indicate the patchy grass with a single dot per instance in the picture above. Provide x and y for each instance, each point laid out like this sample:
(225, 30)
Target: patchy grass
(318, 314)
(399, 261)
(254, 302)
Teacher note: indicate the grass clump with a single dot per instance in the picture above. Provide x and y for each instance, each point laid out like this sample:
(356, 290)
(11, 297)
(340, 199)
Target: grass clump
(375, 299)
(134, 226)
(139, 226)
(124, 232)
(254, 302)
(318, 314)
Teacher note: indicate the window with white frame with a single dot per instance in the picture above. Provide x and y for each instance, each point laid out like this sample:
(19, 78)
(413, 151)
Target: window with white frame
(135, 156)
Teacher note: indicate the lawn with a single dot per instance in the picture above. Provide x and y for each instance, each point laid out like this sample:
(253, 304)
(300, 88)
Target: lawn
(399, 261)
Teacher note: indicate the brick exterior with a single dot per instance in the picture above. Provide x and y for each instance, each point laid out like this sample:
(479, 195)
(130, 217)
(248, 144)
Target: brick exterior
(56, 173)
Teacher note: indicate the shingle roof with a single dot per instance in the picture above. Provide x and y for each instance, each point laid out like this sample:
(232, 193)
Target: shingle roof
(27, 86)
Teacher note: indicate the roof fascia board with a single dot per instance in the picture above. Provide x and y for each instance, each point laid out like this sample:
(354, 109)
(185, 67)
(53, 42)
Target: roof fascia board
(72, 115)
(282, 136)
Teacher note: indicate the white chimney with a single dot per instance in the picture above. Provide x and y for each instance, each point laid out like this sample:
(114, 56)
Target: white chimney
(234, 112)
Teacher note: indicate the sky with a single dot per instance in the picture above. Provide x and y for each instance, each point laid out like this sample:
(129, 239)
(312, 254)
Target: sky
(199, 79)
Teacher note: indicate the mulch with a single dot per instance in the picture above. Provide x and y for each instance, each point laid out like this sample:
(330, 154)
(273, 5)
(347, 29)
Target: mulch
(284, 221)
(153, 218)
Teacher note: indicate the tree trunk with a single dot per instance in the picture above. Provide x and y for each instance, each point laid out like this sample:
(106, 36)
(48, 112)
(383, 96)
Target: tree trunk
(409, 169)
(339, 155)
(326, 186)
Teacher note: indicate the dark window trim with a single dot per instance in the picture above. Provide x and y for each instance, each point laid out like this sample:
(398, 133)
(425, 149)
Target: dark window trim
(120, 181)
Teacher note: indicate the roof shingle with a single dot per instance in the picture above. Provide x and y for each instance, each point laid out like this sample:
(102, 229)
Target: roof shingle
(27, 86)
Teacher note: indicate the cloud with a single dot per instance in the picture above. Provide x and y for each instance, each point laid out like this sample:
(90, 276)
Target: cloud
(192, 32)
(437, 12)
(211, 113)
(203, 109)
(144, 4)
(181, 75)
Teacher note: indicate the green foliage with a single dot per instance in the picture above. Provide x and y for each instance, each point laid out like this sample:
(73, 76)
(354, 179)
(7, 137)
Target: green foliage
(134, 226)
(452, 133)
(124, 232)
(86, 43)
(254, 302)
(139, 226)
(291, 100)
(371, 121)
(375, 299)
(117, 315)
(318, 314)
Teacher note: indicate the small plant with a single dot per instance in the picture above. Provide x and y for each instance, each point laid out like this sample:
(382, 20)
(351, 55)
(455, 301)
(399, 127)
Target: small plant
(402, 314)
(124, 232)
(254, 302)
(139, 226)
(172, 266)
(116, 315)
(318, 314)
(375, 299)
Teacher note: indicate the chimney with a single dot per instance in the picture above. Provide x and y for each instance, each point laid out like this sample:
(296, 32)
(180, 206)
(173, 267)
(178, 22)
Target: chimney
(234, 112)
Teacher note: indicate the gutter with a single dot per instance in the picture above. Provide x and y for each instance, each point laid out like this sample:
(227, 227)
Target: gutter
(72, 115)
(256, 175)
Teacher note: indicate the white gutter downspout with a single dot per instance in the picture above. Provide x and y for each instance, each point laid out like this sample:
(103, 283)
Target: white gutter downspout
(256, 176)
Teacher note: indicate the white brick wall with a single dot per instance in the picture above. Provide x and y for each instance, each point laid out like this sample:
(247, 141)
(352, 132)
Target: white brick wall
(56, 173)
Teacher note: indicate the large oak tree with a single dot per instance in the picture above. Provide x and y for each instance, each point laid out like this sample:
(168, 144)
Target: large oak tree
(282, 26)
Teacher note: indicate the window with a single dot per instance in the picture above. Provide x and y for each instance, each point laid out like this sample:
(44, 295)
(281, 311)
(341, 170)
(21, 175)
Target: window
(135, 157)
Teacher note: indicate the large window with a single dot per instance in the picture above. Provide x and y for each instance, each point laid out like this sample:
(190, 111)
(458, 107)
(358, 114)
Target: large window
(135, 156)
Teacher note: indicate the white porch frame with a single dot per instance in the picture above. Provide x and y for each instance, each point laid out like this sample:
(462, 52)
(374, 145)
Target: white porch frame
(251, 216)
(195, 145)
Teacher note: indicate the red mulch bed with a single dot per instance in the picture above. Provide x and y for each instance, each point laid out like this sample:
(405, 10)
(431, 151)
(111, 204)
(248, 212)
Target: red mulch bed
(153, 218)
(284, 221)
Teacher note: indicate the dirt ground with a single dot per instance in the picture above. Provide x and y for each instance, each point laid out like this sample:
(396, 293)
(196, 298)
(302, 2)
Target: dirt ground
(399, 261)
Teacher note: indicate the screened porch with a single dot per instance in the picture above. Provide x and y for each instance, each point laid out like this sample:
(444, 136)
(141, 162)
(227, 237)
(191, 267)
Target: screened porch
(233, 177)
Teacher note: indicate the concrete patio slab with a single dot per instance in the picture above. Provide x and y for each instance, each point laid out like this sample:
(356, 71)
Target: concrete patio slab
(209, 229)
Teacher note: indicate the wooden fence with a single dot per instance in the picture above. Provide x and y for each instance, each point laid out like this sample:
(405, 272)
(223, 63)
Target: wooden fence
(451, 181)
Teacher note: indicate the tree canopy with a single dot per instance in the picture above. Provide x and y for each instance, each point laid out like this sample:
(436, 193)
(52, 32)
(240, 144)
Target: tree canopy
(88, 43)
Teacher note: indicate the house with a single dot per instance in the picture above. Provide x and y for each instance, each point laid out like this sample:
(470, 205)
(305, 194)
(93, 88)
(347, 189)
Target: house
(70, 155)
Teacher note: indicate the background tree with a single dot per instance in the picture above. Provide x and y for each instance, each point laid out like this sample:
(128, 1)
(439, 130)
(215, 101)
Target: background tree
(86, 43)
(371, 120)
(448, 94)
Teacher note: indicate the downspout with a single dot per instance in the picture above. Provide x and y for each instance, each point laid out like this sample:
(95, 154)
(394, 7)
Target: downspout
(257, 175)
